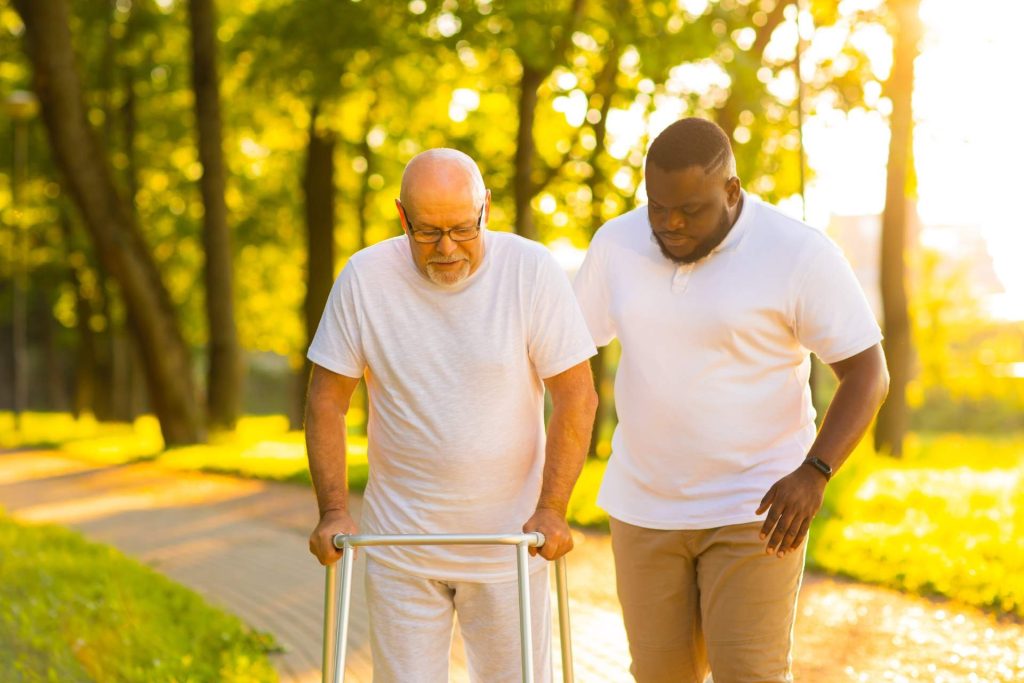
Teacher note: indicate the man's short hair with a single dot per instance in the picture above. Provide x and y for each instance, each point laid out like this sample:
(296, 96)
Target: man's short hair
(692, 142)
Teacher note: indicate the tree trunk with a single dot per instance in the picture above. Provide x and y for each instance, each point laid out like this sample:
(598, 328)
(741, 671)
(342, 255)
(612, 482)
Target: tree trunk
(53, 366)
(318, 187)
(115, 235)
(526, 150)
(103, 398)
(605, 88)
(224, 378)
(360, 401)
(891, 426)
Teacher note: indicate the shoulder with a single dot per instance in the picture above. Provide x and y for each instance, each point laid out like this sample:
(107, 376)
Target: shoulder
(513, 244)
(383, 254)
(380, 260)
(509, 247)
(624, 230)
(780, 230)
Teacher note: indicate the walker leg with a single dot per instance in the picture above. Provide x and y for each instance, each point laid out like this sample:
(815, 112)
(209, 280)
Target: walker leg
(525, 621)
(341, 623)
(564, 632)
(330, 622)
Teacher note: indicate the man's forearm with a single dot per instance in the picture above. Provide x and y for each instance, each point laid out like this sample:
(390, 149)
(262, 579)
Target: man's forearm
(568, 438)
(848, 417)
(325, 447)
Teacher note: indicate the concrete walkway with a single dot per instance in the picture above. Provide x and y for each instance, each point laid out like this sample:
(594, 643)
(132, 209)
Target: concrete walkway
(243, 546)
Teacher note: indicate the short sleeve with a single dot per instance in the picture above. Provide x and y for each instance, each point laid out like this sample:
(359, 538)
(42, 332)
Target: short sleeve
(832, 316)
(591, 287)
(558, 336)
(337, 344)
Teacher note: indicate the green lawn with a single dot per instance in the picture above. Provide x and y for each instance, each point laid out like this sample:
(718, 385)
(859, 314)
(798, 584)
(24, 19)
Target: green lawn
(77, 611)
(947, 519)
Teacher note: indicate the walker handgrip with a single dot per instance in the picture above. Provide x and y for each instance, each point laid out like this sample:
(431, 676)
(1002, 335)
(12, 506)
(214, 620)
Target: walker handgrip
(534, 539)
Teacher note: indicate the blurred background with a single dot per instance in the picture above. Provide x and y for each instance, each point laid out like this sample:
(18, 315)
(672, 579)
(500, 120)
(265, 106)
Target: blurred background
(179, 187)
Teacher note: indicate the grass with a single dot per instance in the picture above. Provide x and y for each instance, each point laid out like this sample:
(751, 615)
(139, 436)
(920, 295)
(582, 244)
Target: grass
(946, 519)
(79, 611)
(260, 447)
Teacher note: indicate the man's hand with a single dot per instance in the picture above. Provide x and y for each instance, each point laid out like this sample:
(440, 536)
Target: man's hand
(792, 503)
(557, 537)
(321, 541)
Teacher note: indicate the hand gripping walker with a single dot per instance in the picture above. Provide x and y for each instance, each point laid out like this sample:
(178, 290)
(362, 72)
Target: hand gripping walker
(336, 626)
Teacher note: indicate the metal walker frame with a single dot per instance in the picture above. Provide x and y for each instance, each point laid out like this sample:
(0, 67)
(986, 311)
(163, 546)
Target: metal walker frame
(338, 602)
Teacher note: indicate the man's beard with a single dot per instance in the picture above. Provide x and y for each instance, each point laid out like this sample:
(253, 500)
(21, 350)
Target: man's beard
(447, 277)
(704, 247)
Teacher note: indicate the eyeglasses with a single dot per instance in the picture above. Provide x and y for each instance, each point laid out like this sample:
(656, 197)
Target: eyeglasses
(434, 235)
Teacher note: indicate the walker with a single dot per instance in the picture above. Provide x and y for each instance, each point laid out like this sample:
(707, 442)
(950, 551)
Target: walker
(335, 601)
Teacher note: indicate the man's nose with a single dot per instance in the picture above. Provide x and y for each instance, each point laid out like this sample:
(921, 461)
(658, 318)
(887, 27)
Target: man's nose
(446, 245)
(676, 220)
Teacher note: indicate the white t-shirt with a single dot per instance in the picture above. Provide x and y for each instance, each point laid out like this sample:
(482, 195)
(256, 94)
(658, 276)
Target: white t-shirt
(454, 374)
(711, 389)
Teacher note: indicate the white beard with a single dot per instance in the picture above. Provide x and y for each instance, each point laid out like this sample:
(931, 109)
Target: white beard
(446, 277)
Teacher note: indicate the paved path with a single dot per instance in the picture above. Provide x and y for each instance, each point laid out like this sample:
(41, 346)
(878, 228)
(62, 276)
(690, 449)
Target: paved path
(242, 545)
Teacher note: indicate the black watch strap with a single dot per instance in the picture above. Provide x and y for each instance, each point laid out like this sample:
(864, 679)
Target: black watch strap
(820, 465)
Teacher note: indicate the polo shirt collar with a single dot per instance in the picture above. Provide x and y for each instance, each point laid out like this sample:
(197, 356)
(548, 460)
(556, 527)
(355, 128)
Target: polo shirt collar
(740, 227)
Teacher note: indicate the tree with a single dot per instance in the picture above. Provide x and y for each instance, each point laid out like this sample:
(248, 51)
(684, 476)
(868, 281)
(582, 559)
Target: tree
(542, 41)
(891, 425)
(108, 217)
(340, 43)
(318, 191)
(224, 372)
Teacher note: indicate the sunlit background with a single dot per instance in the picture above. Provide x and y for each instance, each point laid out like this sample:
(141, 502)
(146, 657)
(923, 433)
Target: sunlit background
(322, 102)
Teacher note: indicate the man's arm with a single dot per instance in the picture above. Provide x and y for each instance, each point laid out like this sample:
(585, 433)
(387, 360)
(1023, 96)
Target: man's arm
(574, 403)
(794, 500)
(326, 405)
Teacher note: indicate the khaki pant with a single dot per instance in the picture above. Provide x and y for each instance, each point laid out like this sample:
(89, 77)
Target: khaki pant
(706, 599)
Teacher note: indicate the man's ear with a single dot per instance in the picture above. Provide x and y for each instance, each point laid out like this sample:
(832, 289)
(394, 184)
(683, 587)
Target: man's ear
(487, 207)
(732, 190)
(401, 216)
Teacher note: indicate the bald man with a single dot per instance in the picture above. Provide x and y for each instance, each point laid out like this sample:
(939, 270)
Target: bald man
(457, 331)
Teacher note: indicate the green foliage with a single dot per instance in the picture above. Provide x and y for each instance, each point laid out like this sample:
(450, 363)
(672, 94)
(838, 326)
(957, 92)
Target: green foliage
(945, 520)
(388, 78)
(79, 611)
(967, 377)
(85, 437)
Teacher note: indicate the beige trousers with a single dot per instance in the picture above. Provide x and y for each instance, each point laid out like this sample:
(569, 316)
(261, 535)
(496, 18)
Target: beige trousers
(411, 622)
(711, 599)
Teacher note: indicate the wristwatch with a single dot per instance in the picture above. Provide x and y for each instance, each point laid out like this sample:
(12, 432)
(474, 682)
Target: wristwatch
(820, 465)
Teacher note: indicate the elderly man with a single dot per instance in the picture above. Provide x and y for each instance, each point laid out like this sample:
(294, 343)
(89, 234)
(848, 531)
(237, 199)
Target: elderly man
(457, 331)
(716, 299)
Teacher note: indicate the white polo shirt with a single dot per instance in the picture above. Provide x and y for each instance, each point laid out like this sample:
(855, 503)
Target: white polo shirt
(711, 389)
(454, 375)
